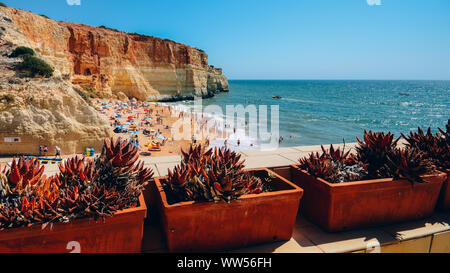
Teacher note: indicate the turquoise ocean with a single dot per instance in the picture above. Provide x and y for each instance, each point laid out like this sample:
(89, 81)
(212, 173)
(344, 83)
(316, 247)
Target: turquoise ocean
(327, 111)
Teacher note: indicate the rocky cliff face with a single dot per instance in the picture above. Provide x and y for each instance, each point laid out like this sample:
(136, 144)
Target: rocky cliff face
(143, 67)
(42, 111)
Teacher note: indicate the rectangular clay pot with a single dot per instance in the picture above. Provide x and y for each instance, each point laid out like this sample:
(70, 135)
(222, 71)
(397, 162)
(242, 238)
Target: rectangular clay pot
(150, 193)
(344, 206)
(444, 198)
(121, 233)
(252, 219)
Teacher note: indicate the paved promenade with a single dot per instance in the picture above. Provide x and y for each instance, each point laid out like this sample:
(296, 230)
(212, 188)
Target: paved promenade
(283, 156)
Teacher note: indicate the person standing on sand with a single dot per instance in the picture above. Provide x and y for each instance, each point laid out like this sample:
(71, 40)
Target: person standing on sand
(45, 150)
(58, 152)
(40, 150)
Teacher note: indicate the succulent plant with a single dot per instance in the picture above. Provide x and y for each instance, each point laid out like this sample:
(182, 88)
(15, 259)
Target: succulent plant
(374, 151)
(339, 156)
(422, 141)
(22, 175)
(207, 175)
(23, 195)
(115, 168)
(317, 165)
(333, 165)
(409, 163)
(435, 147)
(83, 188)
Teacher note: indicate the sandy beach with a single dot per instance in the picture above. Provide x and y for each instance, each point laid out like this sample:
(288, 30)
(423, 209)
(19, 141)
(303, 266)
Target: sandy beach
(149, 126)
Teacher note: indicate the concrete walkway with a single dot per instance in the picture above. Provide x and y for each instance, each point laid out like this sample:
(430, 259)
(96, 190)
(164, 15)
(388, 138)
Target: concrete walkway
(283, 156)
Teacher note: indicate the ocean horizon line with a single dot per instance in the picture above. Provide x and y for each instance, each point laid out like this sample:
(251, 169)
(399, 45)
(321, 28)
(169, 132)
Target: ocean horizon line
(437, 80)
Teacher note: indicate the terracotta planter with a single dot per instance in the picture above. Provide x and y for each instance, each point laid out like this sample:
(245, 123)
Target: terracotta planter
(121, 233)
(253, 219)
(350, 205)
(151, 201)
(444, 198)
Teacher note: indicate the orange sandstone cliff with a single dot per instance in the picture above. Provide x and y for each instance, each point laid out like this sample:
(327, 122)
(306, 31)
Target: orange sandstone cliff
(111, 62)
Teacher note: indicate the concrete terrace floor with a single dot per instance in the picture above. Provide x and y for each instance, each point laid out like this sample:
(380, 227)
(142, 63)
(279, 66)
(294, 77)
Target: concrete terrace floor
(283, 156)
(423, 236)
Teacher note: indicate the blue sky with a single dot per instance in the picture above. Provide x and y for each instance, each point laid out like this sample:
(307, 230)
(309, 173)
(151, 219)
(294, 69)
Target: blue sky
(285, 39)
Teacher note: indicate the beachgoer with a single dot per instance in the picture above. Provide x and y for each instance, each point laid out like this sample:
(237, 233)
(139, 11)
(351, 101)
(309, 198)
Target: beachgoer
(58, 152)
(238, 142)
(40, 150)
(45, 150)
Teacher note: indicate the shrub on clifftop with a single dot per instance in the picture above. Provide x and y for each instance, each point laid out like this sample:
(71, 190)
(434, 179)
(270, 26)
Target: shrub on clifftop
(21, 51)
(35, 66)
(3, 5)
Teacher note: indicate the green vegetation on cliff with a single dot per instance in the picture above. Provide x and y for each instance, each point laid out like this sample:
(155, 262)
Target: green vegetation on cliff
(83, 96)
(21, 51)
(35, 66)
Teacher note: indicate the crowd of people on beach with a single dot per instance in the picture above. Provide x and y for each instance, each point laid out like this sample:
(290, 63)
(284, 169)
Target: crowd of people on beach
(143, 123)
(148, 126)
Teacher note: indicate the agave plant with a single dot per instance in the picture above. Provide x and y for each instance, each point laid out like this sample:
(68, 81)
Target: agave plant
(116, 168)
(435, 147)
(333, 165)
(409, 163)
(23, 195)
(374, 151)
(21, 177)
(83, 188)
(207, 175)
(317, 165)
(422, 141)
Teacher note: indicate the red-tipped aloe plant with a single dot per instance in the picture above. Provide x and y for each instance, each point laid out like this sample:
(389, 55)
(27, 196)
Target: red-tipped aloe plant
(83, 188)
(206, 175)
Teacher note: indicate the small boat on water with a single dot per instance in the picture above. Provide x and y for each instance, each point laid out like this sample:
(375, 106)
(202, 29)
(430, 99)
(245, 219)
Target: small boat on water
(403, 94)
(276, 97)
